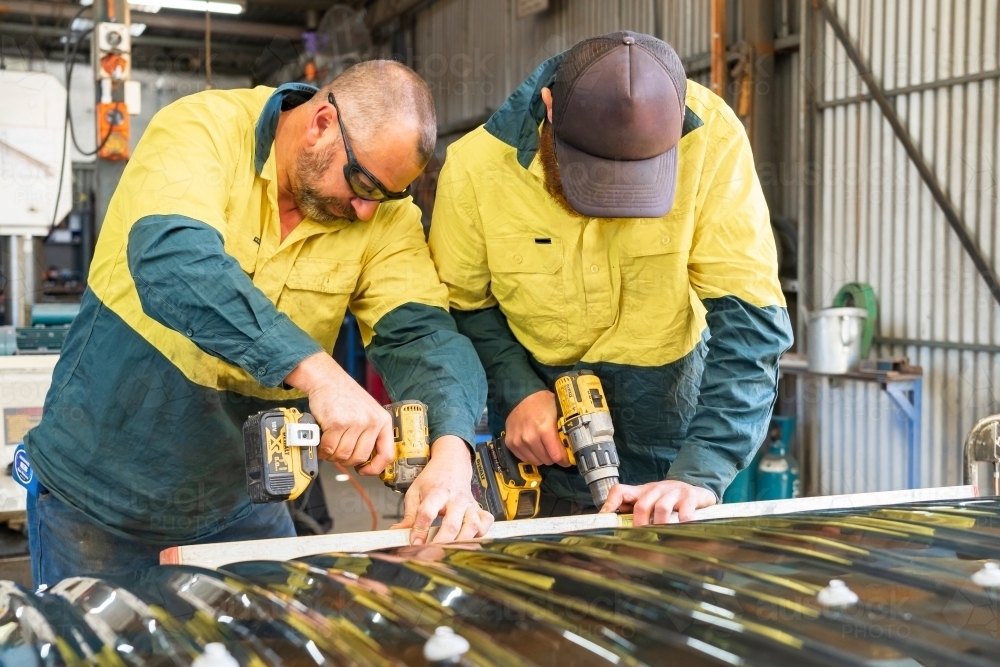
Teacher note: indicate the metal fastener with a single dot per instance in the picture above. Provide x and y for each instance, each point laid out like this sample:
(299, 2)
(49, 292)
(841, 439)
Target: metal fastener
(837, 594)
(445, 647)
(988, 577)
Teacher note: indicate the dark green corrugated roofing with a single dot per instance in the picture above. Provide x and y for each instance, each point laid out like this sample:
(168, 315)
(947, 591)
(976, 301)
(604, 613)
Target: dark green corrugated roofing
(735, 591)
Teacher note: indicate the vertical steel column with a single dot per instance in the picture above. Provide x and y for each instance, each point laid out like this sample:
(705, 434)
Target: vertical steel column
(758, 30)
(806, 393)
(107, 173)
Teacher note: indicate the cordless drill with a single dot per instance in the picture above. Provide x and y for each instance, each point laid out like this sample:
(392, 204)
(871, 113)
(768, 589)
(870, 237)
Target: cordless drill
(412, 448)
(282, 460)
(586, 431)
(511, 489)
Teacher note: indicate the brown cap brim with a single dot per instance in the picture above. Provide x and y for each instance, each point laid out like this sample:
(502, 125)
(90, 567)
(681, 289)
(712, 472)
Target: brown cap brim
(604, 188)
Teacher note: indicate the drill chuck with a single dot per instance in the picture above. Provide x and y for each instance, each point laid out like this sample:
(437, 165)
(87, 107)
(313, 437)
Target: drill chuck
(587, 432)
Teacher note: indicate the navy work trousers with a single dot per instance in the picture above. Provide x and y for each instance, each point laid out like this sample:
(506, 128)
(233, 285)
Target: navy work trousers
(65, 543)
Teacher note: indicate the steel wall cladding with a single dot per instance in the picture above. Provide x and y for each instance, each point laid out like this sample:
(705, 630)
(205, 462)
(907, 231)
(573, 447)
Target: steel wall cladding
(726, 592)
(875, 221)
(474, 53)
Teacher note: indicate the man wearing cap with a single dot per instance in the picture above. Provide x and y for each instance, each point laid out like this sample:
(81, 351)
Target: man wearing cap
(608, 217)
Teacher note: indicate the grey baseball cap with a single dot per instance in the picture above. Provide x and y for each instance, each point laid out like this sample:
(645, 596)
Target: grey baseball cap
(618, 112)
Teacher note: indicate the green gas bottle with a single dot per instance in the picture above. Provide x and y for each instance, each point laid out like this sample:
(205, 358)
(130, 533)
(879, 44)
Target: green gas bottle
(743, 487)
(777, 473)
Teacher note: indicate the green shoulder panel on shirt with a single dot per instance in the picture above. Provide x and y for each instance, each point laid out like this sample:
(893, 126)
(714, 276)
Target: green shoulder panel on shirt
(421, 356)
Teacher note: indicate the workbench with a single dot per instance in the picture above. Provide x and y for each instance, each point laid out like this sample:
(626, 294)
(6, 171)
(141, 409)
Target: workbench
(904, 387)
(24, 382)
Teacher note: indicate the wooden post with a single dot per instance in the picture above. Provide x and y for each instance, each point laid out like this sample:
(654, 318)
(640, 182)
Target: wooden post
(718, 75)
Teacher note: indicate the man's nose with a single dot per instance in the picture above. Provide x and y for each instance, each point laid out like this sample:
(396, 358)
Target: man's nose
(364, 208)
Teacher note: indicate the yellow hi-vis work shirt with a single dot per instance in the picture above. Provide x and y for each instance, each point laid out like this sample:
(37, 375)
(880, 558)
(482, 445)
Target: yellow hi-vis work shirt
(197, 310)
(540, 291)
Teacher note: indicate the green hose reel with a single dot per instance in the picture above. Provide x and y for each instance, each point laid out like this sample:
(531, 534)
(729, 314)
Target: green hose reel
(860, 295)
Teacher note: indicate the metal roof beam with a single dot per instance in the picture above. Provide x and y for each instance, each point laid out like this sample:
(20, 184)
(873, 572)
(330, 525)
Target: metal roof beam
(193, 23)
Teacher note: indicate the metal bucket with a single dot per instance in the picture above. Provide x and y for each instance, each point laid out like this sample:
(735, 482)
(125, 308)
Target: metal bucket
(835, 339)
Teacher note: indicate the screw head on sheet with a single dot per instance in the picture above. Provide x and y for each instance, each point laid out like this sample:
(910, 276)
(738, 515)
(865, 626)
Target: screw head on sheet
(988, 577)
(445, 646)
(837, 594)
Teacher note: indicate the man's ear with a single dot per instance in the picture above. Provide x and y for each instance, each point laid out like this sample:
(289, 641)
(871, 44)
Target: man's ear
(323, 120)
(547, 98)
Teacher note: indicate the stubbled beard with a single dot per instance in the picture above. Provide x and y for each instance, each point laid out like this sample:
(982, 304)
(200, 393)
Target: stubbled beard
(553, 182)
(310, 167)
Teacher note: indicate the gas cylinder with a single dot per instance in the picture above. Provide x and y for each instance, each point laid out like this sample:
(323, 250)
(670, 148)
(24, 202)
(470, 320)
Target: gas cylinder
(742, 488)
(777, 474)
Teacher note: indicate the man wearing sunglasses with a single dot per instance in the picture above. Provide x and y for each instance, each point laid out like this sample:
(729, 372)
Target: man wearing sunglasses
(245, 225)
(608, 217)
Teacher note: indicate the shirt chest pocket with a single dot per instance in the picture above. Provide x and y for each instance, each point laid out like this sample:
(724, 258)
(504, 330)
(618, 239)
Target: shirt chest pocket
(656, 301)
(527, 281)
(316, 296)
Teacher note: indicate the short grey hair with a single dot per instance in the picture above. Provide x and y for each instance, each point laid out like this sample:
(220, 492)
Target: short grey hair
(376, 94)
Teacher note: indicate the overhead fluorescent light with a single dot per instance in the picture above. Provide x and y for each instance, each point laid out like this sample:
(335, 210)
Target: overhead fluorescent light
(193, 5)
(136, 29)
(81, 25)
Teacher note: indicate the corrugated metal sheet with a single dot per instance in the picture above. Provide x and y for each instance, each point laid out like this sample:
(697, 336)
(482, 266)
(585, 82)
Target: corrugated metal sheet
(875, 221)
(727, 592)
(474, 53)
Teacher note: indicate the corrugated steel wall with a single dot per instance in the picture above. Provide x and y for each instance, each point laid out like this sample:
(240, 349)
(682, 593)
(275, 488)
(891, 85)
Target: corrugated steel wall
(875, 221)
(474, 53)
(869, 216)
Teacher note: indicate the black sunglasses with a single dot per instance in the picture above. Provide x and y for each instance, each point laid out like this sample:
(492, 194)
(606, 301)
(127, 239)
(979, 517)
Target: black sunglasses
(362, 182)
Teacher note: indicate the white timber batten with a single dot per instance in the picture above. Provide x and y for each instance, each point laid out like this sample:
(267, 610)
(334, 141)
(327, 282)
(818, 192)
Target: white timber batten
(217, 555)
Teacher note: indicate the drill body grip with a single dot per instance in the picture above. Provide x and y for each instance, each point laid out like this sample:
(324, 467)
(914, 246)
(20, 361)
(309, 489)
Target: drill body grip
(586, 430)
(411, 446)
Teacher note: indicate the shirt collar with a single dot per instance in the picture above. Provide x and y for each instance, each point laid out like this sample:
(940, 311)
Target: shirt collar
(285, 97)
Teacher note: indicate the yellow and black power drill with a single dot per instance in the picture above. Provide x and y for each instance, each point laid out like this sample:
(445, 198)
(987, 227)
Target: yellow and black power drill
(411, 438)
(282, 459)
(586, 431)
(281, 454)
(511, 489)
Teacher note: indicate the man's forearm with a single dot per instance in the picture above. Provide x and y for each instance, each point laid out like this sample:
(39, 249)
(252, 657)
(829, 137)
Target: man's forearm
(421, 356)
(738, 391)
(510, 376)
(187, 282)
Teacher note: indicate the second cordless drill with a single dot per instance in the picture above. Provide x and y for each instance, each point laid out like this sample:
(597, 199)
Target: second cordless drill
(510, 489)
(586, 431)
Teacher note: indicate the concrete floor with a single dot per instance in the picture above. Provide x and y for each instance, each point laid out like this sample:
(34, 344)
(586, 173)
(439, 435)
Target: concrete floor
(350, 515)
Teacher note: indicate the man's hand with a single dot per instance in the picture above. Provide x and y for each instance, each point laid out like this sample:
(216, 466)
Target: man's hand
(655, 502)
(531, 431)
(352, 422)
(444, 488)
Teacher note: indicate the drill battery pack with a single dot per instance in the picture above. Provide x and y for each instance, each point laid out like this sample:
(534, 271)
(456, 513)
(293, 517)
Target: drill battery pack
(503, 486)
(281, 454)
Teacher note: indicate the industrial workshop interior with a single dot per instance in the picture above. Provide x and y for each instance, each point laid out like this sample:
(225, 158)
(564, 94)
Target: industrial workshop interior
(500, 332)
